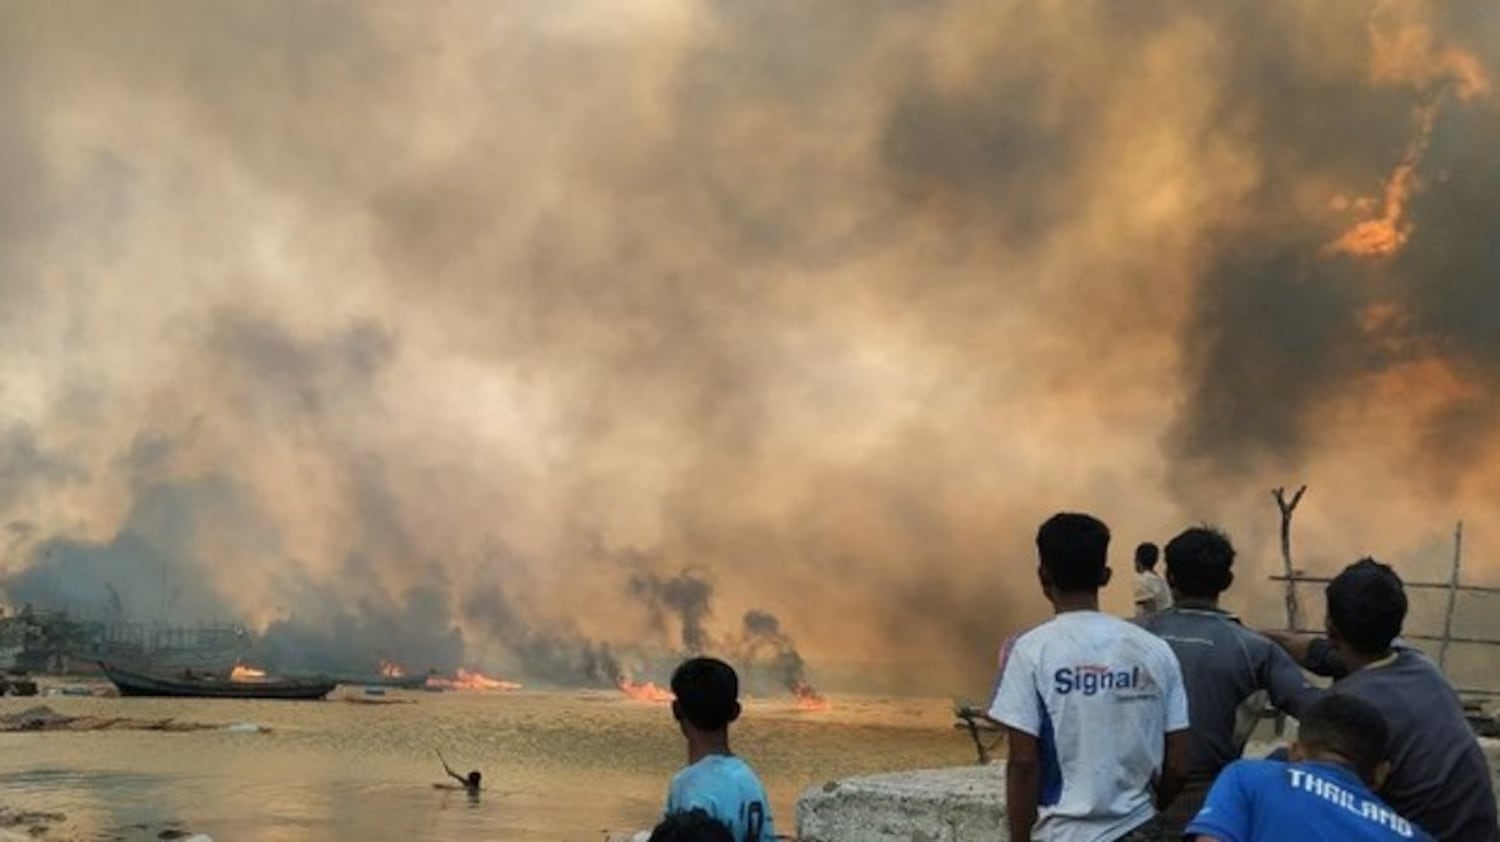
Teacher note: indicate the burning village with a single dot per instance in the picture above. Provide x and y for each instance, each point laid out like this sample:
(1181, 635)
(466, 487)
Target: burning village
(561, 420)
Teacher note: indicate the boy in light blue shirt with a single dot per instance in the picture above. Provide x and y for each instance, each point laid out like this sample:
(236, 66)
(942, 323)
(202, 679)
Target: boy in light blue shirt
(715, 781)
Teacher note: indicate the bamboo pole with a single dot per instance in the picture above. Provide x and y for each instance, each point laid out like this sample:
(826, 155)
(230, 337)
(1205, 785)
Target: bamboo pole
(1458, 557)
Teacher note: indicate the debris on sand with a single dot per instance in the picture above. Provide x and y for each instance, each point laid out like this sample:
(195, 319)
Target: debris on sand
(33, 823)
(357, 700)
(43, 718)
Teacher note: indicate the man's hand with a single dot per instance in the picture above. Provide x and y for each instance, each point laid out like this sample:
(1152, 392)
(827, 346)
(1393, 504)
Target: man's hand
(1023, 782)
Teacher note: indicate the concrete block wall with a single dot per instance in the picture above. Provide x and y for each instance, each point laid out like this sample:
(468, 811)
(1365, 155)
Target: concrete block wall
(963, 804)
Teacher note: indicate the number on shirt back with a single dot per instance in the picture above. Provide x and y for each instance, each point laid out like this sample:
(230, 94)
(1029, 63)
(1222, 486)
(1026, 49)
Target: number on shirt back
(753, 815)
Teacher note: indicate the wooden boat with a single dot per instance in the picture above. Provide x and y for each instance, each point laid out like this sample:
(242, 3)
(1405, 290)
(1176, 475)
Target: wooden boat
(192, 685)
(390, 682)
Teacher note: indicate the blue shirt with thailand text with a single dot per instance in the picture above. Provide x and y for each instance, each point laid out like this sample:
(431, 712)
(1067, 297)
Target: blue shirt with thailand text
(1268, 801)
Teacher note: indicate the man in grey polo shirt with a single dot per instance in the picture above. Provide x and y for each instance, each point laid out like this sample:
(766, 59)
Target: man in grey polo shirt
(1439, 777)
(1227, 668)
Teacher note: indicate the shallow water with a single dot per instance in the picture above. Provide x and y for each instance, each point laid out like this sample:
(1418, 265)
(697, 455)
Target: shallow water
(557, 765)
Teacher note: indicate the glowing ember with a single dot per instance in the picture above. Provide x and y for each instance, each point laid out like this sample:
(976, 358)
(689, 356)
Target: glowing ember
(810, 699)
(244, 673)
(470, 680)
(390, 669)
(645, 691)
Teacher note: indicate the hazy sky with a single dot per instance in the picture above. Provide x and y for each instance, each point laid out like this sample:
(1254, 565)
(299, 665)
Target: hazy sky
(345, 314)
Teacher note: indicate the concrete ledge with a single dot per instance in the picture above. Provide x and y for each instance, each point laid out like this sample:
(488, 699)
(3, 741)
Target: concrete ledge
(936, 805)
(962, 804)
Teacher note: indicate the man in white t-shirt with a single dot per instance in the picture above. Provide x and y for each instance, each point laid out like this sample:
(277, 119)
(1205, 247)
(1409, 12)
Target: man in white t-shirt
(1151, 593)
(1094, 708)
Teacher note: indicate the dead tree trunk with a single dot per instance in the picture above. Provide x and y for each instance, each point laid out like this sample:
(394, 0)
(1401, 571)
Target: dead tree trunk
(1293, 613)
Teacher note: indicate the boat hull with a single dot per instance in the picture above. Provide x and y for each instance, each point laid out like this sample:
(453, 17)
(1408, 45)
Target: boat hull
(138, 684)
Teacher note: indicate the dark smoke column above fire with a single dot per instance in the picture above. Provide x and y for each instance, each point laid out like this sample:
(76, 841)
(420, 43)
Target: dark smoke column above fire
(384, 328)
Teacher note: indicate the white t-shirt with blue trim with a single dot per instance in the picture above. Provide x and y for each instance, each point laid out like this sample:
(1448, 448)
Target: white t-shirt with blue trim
(1100, 695)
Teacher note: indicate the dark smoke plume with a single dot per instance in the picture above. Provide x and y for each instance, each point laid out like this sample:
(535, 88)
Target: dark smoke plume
(557, 654)
(305, 309)
(686, 597)
(765, 643)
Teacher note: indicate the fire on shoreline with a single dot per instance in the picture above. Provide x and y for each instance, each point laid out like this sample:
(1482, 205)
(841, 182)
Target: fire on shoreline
(391, 669)
(809, 699)
(244, 673)
(645, 691)
(470, 680)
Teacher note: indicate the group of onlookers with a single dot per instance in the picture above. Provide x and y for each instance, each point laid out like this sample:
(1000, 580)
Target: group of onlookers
(1133, 731)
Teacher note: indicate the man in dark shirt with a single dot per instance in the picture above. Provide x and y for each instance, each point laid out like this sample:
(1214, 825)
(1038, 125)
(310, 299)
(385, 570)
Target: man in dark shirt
(1439, 778)
(1227, 668)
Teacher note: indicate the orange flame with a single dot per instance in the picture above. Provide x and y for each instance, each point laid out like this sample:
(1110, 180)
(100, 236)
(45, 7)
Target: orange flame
(471, 680)
(645, 691)
(391, 669)
(809, 699)
(1404, 51)
(244, 673)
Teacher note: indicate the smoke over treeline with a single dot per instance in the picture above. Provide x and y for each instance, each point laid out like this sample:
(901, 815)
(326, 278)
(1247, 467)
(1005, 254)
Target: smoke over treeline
(455, 333)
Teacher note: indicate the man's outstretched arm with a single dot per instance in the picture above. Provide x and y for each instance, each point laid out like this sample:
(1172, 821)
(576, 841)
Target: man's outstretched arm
(1023, 782)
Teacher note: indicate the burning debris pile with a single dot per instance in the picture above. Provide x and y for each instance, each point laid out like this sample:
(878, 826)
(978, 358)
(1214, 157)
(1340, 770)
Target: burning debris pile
(765, 642)
(761, 644)
(645, 691)
(470, 680)
(679, 607)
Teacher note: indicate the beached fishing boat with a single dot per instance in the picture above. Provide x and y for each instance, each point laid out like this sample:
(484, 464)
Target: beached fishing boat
(192, 685)
(392, 682)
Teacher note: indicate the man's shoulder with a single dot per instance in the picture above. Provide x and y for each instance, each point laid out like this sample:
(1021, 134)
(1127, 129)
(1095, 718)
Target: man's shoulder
(1143, 635)
(1028, 639)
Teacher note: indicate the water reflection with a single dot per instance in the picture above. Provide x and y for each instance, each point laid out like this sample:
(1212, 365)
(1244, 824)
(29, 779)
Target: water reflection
(556, 765)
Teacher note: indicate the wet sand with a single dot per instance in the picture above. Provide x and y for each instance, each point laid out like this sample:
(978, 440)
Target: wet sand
(557, 765)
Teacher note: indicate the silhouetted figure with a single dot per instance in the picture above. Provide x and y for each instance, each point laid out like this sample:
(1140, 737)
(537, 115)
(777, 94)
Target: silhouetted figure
(469, 783)
(691, 826)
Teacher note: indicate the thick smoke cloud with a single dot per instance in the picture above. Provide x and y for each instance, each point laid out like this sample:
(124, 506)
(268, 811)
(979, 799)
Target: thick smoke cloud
(381, 328)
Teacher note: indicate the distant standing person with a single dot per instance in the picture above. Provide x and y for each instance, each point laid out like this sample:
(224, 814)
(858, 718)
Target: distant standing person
(1094, 707)
(1325, 794)
(1229, 670)
(1439, 777)
(715, 781)
(1151, 593)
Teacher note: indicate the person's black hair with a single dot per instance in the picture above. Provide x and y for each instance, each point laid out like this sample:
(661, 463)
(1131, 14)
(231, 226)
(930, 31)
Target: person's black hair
(1366, 606)
(707, 691)
(691, 826)
(475, 778)
(1074, 550)
(1199, 562)
(1349, 727)
(1146, 555)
